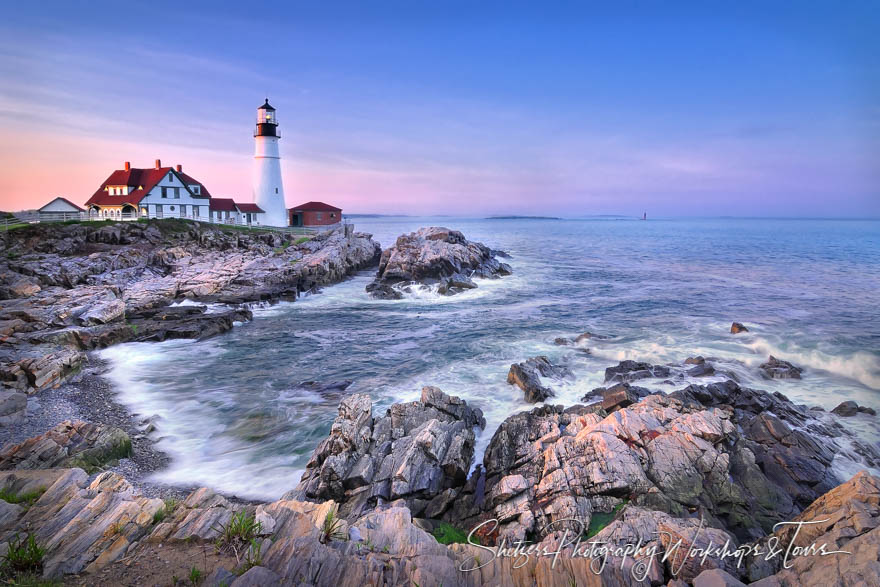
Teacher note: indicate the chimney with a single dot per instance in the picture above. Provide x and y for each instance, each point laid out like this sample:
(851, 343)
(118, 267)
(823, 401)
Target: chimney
(128, 165)
(158, 163)
(179, 168)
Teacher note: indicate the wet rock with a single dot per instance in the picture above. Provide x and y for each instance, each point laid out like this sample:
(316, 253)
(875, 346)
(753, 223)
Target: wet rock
(701, 370)
(415, 452)
(184, 322)
(527, 376)
(561, 341)
(70, 444)
(777, 369)
(736, 328)
(846, 409)
(629, 371)
(698, 360)
(622, 395)
(434, 255)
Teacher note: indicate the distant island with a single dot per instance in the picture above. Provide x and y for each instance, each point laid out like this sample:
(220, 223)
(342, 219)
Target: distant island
(523, 218)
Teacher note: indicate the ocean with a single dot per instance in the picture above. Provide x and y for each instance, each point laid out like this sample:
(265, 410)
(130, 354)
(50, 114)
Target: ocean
(236, 412)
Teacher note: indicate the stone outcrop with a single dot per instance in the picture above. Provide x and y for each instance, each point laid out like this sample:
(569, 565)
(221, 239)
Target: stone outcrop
(419, 452)
(742, 458)
(527, 376)
(737, 328)
(69, 444)
(778, 369)
(434, 255)
(73, 288)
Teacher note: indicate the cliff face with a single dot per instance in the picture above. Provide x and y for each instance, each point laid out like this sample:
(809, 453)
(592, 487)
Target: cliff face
(66, 289)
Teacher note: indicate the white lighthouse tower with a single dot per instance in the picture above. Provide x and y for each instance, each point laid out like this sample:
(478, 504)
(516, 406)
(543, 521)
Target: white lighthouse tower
(268, 187)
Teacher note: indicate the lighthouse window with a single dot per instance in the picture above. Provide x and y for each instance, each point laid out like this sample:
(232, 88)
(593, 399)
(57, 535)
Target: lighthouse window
(276, 190)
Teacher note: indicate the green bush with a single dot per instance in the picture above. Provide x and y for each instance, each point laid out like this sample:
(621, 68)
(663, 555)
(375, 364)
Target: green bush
(23, 556)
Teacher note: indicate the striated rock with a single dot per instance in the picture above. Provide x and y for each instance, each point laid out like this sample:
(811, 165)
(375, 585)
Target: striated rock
(777, 369)
(417, 452)
(736, 328)
(434, 255)
(527, 376)
(847, 518)
(69, 444)
(629, 371)
(83, 526)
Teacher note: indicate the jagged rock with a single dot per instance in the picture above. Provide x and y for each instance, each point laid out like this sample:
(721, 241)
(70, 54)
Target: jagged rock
(526, 376)
(415, 452)
(745, 459)
(432, 255)
(71, 287)
(629, 371)
(847, 518)
(69, 444)
(736, 328)
(13, 407)
(777, 369)
(184, 322)
(83, 526)
(846, 409)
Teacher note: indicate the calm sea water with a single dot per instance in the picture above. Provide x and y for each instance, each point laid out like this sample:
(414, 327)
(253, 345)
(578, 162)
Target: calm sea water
(234, 415)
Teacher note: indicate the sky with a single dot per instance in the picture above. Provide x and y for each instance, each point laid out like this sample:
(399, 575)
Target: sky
(460, 108)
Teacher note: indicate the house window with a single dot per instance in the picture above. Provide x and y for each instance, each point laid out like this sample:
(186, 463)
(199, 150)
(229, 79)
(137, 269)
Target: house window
(319, 215)
(332, 214)
(176, 193)
(172, 208)
(183, 210)
(196, 189)
(276, 190)
(171, 177)
(164, 192)
(195, 211)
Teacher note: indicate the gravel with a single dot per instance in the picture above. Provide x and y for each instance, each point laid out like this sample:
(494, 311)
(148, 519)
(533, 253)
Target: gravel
(90, 397)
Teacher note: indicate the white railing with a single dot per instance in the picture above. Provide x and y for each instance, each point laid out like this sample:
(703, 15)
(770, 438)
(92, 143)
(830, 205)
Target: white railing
(32, 217)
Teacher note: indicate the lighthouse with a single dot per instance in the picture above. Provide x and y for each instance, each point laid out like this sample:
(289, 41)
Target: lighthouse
(268, 187)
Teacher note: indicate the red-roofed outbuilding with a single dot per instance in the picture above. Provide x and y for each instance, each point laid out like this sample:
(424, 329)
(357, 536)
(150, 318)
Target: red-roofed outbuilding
(314, 214)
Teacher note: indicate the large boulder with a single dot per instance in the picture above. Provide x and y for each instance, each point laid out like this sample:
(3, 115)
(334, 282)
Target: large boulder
(629, 371)
(434, 255)
(419, 452)
(13, 407)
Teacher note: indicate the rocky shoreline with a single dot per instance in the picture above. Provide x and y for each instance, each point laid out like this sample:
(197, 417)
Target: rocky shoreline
(387, 498)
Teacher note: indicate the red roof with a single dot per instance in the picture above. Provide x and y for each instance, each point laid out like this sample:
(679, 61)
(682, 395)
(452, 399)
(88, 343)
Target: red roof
(316, 207)
(248, 207)
(223, 204)
(143, 180)
(64, 200)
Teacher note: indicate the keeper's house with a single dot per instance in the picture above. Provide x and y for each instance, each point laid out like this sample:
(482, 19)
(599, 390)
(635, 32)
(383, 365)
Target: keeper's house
(314, 214)
(163, 192)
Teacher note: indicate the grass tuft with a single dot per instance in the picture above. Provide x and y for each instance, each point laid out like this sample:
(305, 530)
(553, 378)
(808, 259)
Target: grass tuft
(24, 557)
(331, 529)
(448, 534)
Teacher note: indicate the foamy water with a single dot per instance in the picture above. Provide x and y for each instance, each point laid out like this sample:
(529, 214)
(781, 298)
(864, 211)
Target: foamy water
(234, 414)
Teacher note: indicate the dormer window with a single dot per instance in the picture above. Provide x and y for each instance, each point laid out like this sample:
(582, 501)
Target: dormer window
(196, 189)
